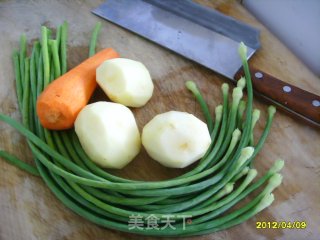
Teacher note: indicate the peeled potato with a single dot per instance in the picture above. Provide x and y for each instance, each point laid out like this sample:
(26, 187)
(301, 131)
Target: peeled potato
(125, 81)
(176, 139)
(108, 134)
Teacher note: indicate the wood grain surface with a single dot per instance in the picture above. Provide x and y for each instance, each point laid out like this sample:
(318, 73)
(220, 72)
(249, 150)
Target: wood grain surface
(28, 210)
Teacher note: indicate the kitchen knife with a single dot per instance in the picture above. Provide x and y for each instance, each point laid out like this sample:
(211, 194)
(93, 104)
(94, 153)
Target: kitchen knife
(210, 38)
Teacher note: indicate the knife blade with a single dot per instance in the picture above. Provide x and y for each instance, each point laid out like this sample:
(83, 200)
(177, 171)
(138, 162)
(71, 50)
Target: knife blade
(211, 39)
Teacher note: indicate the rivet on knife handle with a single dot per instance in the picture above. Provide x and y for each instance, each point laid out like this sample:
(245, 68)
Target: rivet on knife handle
(290, 97)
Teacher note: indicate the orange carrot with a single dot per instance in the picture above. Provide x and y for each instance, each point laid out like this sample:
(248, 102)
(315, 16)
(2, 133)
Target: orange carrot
(61, 101)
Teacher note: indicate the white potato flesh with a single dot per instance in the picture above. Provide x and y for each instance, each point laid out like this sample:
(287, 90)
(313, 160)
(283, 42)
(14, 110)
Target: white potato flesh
(176, 139)
(125, 81)
(108, 134)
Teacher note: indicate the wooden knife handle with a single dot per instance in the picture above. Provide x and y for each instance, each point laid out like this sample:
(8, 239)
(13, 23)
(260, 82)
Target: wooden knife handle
(301, 103)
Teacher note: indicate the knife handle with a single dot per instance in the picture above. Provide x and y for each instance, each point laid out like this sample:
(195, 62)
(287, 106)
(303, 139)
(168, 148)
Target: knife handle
(301, 103)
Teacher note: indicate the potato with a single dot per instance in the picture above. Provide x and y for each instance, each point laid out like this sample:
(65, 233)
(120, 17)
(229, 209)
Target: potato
(125, 81)
(108, 134)
(176, 139)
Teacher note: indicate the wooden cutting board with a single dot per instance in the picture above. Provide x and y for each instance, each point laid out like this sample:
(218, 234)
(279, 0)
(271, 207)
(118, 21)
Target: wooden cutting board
(28, 210)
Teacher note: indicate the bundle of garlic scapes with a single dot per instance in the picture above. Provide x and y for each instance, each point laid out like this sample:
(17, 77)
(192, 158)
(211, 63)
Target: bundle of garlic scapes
(199, 202)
